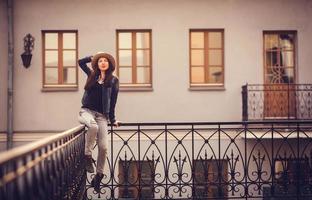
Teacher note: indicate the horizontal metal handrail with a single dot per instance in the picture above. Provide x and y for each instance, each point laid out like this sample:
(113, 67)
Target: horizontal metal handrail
(51, 168)
(286, 121)
(33, 146)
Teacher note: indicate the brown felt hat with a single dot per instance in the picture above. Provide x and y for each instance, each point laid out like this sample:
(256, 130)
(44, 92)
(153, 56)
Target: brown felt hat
(99, 55)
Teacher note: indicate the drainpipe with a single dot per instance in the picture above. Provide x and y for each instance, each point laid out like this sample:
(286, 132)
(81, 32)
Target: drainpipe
(10, 75)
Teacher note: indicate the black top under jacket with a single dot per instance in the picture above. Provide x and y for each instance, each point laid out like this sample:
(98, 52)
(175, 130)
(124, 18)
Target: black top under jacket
(100, 97)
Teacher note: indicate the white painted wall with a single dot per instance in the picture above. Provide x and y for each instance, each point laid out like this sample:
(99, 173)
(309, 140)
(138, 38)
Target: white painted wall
(170, 21)
(3, 65)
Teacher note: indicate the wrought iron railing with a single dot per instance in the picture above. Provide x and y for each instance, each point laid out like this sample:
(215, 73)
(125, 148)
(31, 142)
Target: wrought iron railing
(277, 101)
(234, 160)
(49, 169)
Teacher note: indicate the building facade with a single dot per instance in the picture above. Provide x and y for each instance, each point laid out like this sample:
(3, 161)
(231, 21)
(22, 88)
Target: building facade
(175, 31)
(178, 61)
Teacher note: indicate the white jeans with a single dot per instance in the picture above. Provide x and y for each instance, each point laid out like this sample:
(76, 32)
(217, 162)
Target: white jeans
(97, 126)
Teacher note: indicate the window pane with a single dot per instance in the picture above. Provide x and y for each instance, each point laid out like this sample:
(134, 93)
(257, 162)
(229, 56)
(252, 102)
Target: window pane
(280, 74)
(125, 40)
(142, 40)
(215, 57)
(197, 39)
(198, 75)
(125, 58)
(51, 75)
(271, 41)
(289, 75)
(125, 75)
(286, 41)
(197, 57)
(271, 58)
(51, 58)
(69, 58)
(69, 75)
(69, 40)
(143, 75)
(51, 40)
(143, 58)
(287, 58)
(215, 75)
(215, 39)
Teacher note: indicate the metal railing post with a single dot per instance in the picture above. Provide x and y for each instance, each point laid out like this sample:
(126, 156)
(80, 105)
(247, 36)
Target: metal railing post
(245, 102)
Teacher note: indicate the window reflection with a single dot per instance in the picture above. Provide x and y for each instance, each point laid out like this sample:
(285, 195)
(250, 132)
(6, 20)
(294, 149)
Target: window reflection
(51, 58)
(197, 57)
(215, 40)
(125, 40)
(142, 40)
(271, 41)
(286, 41)
(69, 58)
(51, 75)
(125, 58)
(69, 75)
(215, 57)
(143, 57)
(69, 40)
(197, 39)
(198, 75)
(215, 74)
(125, 75)
(51, 40)
(143, 75)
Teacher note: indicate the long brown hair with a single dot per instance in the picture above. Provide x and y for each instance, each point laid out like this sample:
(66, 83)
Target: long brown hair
(93, 77)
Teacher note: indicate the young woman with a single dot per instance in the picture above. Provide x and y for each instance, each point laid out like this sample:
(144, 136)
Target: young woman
(98, 106)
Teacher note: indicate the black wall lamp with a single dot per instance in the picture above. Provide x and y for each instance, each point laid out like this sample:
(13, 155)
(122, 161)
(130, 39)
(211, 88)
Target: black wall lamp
(28, 47)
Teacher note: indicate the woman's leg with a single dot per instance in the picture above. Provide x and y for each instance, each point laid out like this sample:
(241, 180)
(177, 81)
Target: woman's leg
(87, 117)
(102, 151)
(102, 142)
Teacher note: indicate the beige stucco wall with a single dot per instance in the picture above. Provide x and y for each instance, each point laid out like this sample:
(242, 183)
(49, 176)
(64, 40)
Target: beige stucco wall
(170, 21)
(3, 65)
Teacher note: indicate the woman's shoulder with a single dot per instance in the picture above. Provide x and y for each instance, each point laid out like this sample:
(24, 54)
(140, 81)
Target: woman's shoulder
(115, 82)
(115, 79)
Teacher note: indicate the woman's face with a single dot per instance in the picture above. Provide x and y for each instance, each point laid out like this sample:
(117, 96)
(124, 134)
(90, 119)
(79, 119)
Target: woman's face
(103, 64)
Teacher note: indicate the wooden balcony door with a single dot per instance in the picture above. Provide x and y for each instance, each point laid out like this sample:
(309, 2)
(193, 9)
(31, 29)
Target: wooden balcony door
(279, 75)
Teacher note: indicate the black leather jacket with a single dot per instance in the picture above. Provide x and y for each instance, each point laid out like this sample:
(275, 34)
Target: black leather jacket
(109, 93)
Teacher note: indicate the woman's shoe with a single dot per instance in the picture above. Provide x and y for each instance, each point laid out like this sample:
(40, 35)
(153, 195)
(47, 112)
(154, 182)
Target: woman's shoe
(96, 182)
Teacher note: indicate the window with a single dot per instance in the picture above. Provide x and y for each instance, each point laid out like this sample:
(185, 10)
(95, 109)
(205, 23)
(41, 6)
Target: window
(279, 56)
(129, 179)
(279, 74)
(59, 60)
(207, 58)
(134, 58)
(290, 174)
(207, 182)
(292, 170)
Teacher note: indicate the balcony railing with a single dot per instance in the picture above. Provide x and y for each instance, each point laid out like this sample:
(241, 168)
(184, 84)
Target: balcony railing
(277, 101)
(49, 169)
(232, 160)
(229, 160)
